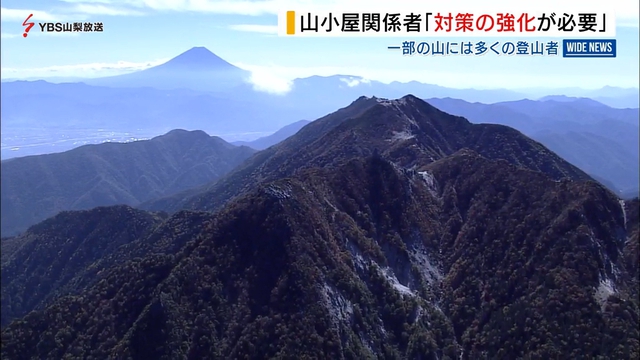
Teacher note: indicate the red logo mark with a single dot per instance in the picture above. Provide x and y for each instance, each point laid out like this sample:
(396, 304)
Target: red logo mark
(29, 25)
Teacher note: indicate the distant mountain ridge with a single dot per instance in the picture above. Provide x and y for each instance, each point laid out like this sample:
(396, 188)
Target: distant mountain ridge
(267, 141)
(616, 97)
(600, 140)
(37, 187)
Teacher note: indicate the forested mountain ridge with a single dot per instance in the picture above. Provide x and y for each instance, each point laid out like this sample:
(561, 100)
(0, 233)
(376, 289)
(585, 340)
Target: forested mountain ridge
(60, 255)
(409, 263)
(397, 233)
(37, 187)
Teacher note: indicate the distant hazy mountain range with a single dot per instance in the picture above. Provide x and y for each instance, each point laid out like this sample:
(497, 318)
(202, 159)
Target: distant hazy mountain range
(266, 141)
(598, 139)
(386, 229)
(200, 69)
(608, 95)
(197, 90)
(37, 187)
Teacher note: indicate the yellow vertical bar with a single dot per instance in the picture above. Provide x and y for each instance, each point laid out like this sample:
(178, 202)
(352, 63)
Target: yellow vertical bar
(291, 22)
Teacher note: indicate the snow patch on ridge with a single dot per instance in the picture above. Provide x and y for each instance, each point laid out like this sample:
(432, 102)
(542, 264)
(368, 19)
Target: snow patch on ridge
(393, 280)
(430, 180)
(603, 291)
(279, 192)
(402, 135)
(339, 307)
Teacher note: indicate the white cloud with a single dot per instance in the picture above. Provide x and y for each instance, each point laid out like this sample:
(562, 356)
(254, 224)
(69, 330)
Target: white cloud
(288, 73)
(267, 82)
(273, 77)
(279, 79)
(263, 29)
(354, 81)
(9, 36)
(21, 14)
(99, 9)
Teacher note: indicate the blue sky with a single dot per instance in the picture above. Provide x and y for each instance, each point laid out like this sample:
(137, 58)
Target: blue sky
(141, 33)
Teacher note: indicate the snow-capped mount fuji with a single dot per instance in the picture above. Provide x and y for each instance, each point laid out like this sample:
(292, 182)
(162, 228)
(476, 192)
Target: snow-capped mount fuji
(197, 59)
(196, 69)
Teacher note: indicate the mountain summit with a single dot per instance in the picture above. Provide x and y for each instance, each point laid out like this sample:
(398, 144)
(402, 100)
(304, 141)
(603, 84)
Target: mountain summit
(197, 59)
(196, 69)
(407, 131)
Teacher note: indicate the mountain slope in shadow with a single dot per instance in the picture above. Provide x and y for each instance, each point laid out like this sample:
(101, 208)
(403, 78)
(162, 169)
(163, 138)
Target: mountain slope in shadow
(37, 187)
